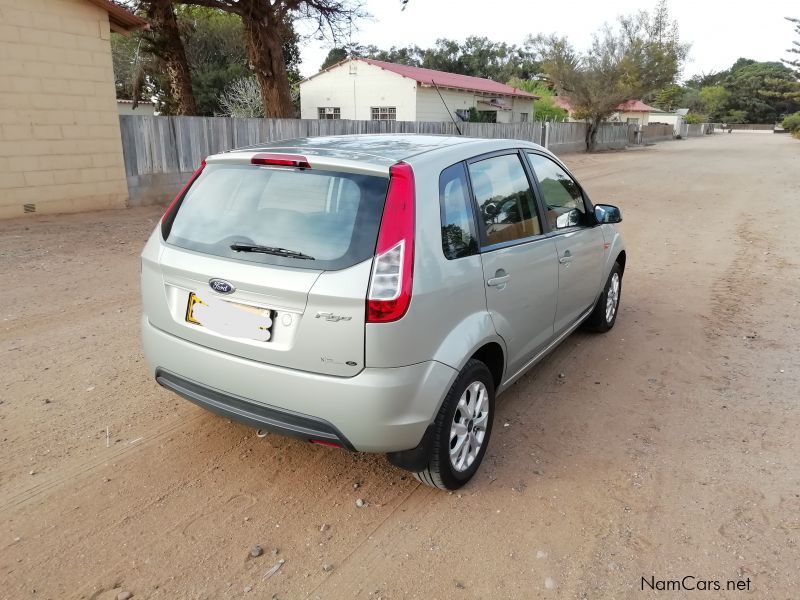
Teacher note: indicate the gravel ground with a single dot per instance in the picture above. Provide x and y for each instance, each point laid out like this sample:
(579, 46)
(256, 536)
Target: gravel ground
(669, 448)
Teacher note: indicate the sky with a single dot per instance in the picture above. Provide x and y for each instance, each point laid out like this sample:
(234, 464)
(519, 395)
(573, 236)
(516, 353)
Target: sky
(718, 31)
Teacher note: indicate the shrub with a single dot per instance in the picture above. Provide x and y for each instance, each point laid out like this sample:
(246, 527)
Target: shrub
(792, 123)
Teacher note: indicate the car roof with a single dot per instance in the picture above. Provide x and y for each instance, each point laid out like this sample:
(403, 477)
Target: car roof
(383, 147)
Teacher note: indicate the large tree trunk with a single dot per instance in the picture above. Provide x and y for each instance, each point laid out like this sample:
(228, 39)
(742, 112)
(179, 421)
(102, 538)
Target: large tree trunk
(265, 49)
(591, 134)
(167, 36)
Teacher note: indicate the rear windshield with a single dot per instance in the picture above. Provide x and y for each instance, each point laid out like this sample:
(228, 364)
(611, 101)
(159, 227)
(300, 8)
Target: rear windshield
(331, 216)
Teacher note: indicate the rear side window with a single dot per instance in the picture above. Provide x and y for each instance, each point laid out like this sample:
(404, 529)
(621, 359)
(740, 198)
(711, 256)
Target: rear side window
(331, 216)
(458, 225)
(505, 200)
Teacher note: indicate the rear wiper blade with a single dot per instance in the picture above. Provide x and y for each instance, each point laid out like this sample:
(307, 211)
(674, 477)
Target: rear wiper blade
(270, 250)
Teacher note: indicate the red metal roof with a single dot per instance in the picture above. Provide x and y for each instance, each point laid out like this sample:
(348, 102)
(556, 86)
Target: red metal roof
(563, 102)
(635, 106)
(627, 106)
(449, 80)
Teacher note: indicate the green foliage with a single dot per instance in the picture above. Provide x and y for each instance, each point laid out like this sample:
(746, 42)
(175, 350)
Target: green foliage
(215, 48)
(763, 91)
(128, 68)
(476, 56)
(669, 98)
(642, 55)
(695, 118)
(792, 123)
(714, 99)
(544, 108)
(794, 63)
(336, 55)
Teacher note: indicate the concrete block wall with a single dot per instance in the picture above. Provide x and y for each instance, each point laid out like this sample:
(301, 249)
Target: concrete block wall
(60, 144)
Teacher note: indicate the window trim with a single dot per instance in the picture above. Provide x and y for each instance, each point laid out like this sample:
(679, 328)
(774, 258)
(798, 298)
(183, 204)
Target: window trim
(587, 203)
(470, 208)
(483, 246)
(337, 115)
(386, 108)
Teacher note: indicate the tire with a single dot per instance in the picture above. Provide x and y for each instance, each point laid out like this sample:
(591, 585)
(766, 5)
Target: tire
(441, 472)
(605, 311)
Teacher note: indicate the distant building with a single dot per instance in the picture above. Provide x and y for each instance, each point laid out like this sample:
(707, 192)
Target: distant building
(367, 89)
(125, 107)
(60, 143)
(630, 111)
(676, 119)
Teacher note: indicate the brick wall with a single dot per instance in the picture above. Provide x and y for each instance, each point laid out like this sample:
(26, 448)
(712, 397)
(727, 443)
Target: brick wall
(60, 145)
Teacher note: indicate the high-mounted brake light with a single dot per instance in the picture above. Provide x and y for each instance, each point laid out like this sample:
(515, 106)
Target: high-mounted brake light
(393, 268)
(169, 215)
(281, 160)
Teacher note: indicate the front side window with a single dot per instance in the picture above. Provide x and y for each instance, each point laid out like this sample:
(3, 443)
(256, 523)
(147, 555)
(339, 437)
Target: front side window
(504, 198)
(329, 112)
(562, 196)
(384, 113)
(458, 226)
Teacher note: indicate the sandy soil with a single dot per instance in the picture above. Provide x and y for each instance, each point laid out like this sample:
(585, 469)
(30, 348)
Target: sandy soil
(670, 447)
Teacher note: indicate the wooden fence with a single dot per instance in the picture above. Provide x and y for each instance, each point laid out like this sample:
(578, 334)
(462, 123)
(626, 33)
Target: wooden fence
(159, 152)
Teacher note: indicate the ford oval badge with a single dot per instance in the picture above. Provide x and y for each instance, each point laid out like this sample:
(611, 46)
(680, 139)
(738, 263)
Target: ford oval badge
(221, 286)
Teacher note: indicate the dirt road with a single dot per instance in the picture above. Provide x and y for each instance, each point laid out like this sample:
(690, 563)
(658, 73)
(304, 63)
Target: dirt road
(669, 448)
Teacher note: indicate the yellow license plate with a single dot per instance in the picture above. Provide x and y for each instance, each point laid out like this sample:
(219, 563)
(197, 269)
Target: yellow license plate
(257, 326)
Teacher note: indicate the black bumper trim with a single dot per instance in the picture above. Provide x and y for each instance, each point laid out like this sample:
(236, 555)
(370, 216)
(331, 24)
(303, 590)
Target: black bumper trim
(276, 420)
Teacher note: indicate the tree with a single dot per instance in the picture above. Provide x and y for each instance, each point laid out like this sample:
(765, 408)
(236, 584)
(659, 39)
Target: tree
(242, 98)
(335, 56)
(714, 99)
(544, 109)
(217, 54)
(266, 27)
(642, 55)
(763, 91)
(164, 41)
(669, 98)
(476, 56)
(795, 49)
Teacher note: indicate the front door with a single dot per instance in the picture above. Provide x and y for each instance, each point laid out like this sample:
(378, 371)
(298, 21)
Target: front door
(520, 265)
(580, 244)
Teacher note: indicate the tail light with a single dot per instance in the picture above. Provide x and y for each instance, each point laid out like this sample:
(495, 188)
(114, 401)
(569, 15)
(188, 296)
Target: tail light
(172, 209)
(392, 270)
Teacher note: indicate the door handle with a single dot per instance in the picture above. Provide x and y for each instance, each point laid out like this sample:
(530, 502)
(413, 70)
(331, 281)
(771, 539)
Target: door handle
(566, 257)
(499, 280)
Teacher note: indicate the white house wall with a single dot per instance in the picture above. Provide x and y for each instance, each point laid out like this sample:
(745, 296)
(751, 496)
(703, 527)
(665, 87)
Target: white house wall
(431, 108)
(355, 94)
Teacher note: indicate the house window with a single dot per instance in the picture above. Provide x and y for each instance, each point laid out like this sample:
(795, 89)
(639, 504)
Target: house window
(523, 117)
(329, 112)
(384, 113)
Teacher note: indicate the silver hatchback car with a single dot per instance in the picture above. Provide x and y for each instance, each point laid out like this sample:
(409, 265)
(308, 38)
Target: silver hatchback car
(375, 293)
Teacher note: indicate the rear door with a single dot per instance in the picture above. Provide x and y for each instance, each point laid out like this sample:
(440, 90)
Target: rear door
(580, 244)
(519, 262)
(271, 263)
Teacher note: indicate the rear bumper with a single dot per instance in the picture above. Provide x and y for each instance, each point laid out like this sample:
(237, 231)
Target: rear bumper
(378, 410)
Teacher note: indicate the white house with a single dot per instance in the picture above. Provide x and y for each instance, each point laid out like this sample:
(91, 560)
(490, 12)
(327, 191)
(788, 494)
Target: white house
(675, 119)
(367, 89)
(630, 111)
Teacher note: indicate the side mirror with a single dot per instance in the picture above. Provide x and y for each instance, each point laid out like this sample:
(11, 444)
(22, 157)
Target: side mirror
(606, 213)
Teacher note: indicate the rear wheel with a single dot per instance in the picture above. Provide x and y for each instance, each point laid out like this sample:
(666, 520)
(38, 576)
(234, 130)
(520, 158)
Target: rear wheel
(461, 429)
(604, 314)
